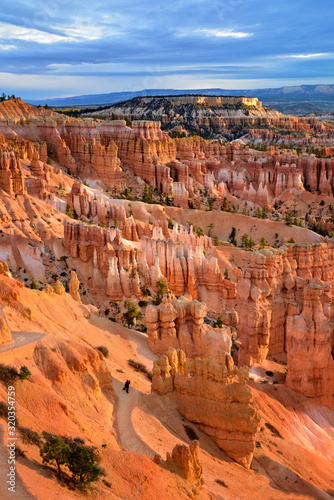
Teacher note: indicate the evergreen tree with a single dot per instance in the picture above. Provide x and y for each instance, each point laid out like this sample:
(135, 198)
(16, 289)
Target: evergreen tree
(81, 462)
(55, 450)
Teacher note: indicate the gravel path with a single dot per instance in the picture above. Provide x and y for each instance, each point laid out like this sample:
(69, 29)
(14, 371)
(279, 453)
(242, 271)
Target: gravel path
(127, 436)
(20, 339)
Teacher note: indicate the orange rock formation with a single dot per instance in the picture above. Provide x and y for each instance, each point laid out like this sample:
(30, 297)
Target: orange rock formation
(310, 349)
(180, 324)
(277, 313)
(207, 395)
(184, 460)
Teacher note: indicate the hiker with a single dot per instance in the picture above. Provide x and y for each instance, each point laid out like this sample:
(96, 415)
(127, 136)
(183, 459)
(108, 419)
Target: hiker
(126, 386)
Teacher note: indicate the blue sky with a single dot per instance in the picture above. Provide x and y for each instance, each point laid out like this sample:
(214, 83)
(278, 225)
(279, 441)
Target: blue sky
(51, 48)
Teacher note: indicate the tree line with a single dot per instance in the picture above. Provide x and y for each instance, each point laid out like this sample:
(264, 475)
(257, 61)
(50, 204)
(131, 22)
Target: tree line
(5, 97)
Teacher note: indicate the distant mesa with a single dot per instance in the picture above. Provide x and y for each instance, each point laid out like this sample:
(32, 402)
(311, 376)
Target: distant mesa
(304, 98)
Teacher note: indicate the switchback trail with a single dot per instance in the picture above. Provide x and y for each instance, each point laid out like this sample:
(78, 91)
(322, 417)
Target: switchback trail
(128, 438)
(20, 339)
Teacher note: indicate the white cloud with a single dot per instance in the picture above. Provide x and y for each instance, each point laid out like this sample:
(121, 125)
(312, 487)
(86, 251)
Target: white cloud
(88, 32)
(71, 34)
(226, 33)
(7, 47)
(304, 56)
(9, 31)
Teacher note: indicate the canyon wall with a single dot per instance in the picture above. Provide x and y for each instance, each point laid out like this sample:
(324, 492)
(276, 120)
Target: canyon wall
(100, 151)
(285, 304)
(179, 261)
(187, 271)
(310, 348)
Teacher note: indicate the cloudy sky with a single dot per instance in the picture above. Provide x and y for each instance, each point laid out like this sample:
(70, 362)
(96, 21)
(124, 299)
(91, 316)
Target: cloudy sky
(51, 48)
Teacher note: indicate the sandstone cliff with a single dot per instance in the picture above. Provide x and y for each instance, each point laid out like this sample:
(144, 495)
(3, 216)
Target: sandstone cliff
(310, 349)
(180, 324)
(208, 395)
(279, 310)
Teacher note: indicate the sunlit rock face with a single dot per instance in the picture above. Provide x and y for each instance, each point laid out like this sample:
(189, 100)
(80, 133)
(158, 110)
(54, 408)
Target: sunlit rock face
(309, 342)
(180, 324)
(285, 304)
(208, 394)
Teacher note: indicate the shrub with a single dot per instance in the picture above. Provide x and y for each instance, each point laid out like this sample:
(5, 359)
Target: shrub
(216, 241)
(33, 285)
(176, 134)
(29, 436)
(80, 459)
(221, 482)
(19, 452)
(258, 444)
(244, 240)
(273, 430)
(48, 161)
(148, 194)
(291, 240)
(145, 291)
(162, 288)
(156, 300)
(132, 312)
(104, 350)
(3, 410)
(139, 367)
(142, 303)
(24, 373)
(8, 374)
(72, 442)
(234, 345)
(263, 242)
(190, 432)
(141, 328)
(218, 323)
(68, 211)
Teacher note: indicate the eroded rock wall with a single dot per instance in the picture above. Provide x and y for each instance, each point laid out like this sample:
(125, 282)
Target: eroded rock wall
(209, 395)
(285, 304)
(310, 349)
(11, 174)
(180, 324)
